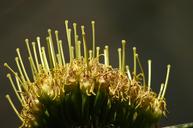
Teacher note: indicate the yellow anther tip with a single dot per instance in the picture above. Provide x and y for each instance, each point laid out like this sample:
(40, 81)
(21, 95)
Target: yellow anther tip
(7, 96)
(17, 49)
(123, 41)
(168, 66)
(26, 40)
(82, 26)
(8, 75)
(119, 49)
(49, 30)
(5, 64)
(93, 22)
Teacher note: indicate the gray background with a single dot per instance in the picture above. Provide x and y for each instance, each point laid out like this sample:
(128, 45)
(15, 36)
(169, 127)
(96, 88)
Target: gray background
(161, 30)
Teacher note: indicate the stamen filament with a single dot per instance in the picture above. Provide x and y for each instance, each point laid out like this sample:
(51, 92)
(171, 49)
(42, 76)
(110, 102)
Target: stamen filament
(161, 90)
(106, 54)
(166, 81)
(62, 53)
(32, 68)
(93, 38)
(123, 56)
(16, 75)
(52, 52)
(14, 88)
(45, 60)
(52, 45)
(128, 72)
(72, 52)
(75, 31)
(66, 25)
(59, 59)
(57, 40)
(22, 65)
(79, 49)
(70, 44)
(7, 66)
(105, 57)
(18, 85)
(40, 53)
(30, 54)
(90, 54)
(35, 55)
(19, 68)
(13, 107)
(20, 90)
(120, 59)
(85, 46)
(75, 38)
(135, 62)
(68, 34)
(97, 52)
(49, 53)
(149, 74)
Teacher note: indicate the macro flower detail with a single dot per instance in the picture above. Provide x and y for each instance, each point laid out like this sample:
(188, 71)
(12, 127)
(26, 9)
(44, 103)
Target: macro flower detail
(85, 92)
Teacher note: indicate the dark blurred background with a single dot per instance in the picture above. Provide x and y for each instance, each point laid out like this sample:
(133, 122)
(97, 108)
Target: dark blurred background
(160, 29)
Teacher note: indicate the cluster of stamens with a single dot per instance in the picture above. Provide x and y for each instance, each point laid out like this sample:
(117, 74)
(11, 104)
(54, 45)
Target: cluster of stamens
(54, 78)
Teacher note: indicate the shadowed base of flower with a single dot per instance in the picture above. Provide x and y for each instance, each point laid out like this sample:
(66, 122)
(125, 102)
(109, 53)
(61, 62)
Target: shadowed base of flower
(78, 110)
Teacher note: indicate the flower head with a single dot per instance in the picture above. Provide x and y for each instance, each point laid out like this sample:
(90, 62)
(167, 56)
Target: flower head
(83, 92)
